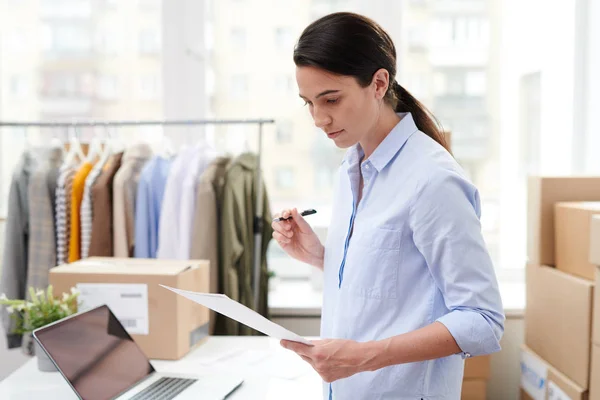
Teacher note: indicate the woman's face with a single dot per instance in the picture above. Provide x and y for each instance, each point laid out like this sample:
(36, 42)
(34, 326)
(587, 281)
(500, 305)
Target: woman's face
(343, 109)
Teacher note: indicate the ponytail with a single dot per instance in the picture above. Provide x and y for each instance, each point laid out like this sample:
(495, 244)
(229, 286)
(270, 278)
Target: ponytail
(403, 101)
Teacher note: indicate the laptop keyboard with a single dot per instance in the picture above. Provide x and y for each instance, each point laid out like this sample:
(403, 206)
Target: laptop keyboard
(164, 389)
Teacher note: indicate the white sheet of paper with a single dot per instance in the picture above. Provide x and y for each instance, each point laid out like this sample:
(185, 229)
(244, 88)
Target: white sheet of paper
(239, 312)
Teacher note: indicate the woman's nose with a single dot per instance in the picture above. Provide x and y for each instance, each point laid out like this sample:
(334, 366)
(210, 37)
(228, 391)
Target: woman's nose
(322, 119)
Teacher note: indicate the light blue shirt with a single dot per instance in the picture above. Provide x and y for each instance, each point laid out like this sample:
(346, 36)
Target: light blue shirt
(416, 255)
(150, 194)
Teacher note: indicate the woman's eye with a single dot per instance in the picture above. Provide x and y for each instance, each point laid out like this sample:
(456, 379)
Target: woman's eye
(332, 101)
(307, 103)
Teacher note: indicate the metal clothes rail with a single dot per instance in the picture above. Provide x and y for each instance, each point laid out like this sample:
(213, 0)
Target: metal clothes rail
(258, 217)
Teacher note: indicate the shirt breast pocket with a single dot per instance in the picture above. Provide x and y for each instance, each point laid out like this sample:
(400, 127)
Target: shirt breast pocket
(373, 263)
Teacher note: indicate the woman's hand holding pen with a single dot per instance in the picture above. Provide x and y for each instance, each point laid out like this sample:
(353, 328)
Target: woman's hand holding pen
(297, 238)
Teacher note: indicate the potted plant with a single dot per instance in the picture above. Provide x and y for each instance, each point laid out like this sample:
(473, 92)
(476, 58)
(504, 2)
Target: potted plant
(41, 309)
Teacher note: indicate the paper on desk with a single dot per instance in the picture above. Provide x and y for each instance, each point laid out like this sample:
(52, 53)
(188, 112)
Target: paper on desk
(239, 312)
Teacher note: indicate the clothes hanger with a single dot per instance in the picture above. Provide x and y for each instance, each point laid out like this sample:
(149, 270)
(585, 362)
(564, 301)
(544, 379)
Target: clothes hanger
(94, 150)
(55, 142)
(116, 144)
(75, 152)
(107, 151)
(166, 149)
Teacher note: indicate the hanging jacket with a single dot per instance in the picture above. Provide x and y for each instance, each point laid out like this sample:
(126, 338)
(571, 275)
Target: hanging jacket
(42, 240)
(101, 240)
(16, 239)
(124, 192)
(237, 241)
(206, 223)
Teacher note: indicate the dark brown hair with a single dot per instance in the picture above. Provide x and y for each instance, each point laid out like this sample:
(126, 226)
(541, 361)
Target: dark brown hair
(353, 45)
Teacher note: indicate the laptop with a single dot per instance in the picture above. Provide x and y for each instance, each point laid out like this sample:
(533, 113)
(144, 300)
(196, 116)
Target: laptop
(100, 361)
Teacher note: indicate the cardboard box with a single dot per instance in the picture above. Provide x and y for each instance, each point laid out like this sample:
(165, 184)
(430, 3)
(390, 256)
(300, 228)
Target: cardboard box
(572, 237)
(595, 373)
(596, 315)
(541, 380)
(164, 324)
(558, 320)
(595, 240)
(524, 395)
(478, 367)
(474, 389)
(542, 193)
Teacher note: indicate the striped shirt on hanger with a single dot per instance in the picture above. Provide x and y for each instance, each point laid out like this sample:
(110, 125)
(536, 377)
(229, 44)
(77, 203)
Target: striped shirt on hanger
(64, 189)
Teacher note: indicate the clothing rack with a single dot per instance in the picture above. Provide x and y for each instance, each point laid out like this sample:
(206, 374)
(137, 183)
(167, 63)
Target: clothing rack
(258, 221)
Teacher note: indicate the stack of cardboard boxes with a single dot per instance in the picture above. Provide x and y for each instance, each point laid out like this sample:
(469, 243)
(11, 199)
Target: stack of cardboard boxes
(561, 277)
(476, 376)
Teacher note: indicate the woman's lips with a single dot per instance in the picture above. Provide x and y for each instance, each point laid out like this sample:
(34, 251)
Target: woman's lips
(333, 135)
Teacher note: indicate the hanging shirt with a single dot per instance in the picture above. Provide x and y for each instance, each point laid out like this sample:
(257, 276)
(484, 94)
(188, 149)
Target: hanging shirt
(201, 157)
(168, 231)
(410, 254)
(64, 189)
(124, 191)
(149, 199)
(76, 197)
(102, 241)
(42, 243)
(86, 215)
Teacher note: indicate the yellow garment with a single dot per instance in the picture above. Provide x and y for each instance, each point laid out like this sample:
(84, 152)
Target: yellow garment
(76, 198)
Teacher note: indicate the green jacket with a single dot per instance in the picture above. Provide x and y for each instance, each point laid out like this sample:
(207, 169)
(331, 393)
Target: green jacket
(236, 269)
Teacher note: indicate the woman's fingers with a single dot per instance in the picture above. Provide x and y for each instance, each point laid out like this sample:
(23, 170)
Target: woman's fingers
(284, 227)
(281, 239)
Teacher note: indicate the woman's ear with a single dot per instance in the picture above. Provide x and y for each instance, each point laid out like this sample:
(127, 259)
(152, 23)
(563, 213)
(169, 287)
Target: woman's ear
(381, 82)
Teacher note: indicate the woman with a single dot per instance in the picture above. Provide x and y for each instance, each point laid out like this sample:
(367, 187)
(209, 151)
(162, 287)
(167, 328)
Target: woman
(409, 287)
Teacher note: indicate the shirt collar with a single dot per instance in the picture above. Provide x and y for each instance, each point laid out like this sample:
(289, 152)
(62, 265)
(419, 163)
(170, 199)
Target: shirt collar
(389, 147)
(137, 152)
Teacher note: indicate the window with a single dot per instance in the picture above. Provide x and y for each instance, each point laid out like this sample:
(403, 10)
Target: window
(66, 9)
(109, 41)
(238, 39)
(148, 87)
(149, 42)
(284, 132)
(417, 38)
(18, 87)
(459, 30)
(15, 41)
(490, 102)
(284, 85)
(66, 39)
(149, 4)
(284, 177)
(323, 178)
(108, 87)
(283, 39)
(239, 86)
(475, 83)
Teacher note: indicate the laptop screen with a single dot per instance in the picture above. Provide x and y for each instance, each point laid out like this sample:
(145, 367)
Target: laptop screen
(95, 354)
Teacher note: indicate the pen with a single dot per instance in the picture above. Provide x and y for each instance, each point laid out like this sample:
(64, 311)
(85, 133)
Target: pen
(303, 213)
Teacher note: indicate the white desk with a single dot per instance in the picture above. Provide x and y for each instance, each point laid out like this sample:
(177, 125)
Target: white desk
(269, 372)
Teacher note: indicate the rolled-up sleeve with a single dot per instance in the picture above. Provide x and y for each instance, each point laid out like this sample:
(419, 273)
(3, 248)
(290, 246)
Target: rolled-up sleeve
(445, 222)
